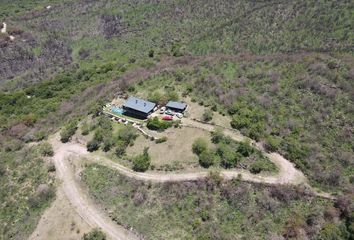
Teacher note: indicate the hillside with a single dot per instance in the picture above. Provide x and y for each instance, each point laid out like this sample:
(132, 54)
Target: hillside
(281, 72)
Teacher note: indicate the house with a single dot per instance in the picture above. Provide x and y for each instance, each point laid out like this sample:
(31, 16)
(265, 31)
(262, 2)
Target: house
(176, 106)
(138, 108)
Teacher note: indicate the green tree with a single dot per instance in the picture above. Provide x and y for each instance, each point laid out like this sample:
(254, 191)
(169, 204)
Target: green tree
(217, 136)
(228, 156)
(245, 148)
(127, 135)
(94, 235)
(141, 163)
(207, 159)
(200, 145)
(120, 149)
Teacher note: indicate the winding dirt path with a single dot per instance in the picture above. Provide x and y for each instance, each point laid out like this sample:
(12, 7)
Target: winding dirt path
(95, 217)
(82, 203)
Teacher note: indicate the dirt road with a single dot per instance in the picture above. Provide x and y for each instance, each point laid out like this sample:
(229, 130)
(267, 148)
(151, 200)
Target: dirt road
(95, 217)
(288, 174)
(82, 203)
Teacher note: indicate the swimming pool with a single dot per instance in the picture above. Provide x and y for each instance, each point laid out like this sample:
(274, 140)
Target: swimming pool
(117, 110)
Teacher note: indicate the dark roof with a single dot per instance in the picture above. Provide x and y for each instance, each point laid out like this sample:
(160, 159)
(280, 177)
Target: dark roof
(139, 105)
(176, 105)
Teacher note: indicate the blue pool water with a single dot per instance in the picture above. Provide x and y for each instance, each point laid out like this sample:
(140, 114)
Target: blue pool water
(117, 110)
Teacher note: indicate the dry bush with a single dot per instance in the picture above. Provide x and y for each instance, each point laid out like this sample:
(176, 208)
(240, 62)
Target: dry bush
(319, 68)
(111, 25)
(139, 197)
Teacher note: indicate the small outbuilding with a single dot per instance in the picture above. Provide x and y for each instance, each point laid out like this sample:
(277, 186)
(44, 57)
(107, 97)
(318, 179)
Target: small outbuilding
(176, 106)
(138, 108)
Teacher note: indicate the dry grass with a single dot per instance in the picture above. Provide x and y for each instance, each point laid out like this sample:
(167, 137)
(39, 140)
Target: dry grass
(196, 111)
(176, 150)
(68, 224)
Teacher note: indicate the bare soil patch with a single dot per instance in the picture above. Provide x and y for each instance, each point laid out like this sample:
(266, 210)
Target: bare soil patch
(60, 221)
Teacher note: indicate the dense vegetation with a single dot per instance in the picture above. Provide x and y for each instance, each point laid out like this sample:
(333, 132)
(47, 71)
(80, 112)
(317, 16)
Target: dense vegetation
(157, 124)
(228, 153)
(287, 80)
(105, 137)
(215, 209)
(301, 108)
(26, 189)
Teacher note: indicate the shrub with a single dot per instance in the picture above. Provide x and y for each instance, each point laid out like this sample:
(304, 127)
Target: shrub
(107, 144)
(200, 145)
(177, 123)
(68, 131)
(297, 153)
(43, 194)
(157, 97)
(85, 129)
(261, 165)
(272, 143)
(151, 53)
(40, 135)
(228, 156)
(51, 167)
(245, 149)
(333, 231)
(141, 163)
(207, 115)
(207, 159)
(94, 235)
(127, 135)
(256, 131)
(217, 136)
(93, 145)
(120, 149)
(176, 50)
(256, 167)
(29, 120)
(98, 136)
(172, 96)
(238, 122)
(96, 108)
(158, 125)
(2, 170)
(161, 140)
(46, 149)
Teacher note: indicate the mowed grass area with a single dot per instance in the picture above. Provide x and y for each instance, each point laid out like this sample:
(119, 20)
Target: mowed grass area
(209, 209)
(174, 154)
